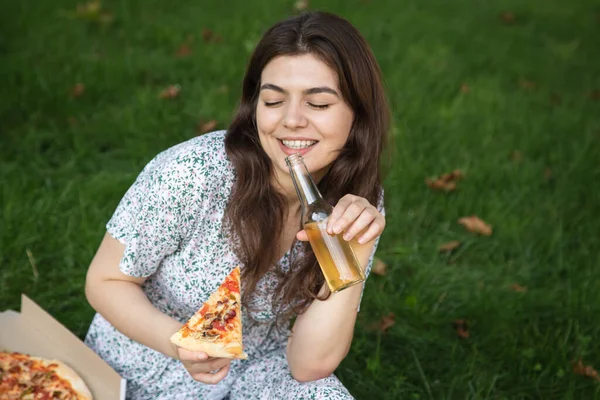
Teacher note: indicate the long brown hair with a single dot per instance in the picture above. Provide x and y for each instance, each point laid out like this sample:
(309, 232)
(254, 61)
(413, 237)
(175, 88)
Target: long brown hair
(256, 212)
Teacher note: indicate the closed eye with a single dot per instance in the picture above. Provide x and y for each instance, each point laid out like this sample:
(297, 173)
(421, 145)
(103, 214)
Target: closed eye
(273, 103)
(319, 106)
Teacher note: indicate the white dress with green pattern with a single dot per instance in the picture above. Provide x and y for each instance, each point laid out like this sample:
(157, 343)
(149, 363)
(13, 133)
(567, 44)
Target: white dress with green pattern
(170, 221)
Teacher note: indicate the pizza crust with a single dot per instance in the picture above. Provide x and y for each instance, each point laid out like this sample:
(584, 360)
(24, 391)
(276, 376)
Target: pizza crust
(66, 372)
(217, 350)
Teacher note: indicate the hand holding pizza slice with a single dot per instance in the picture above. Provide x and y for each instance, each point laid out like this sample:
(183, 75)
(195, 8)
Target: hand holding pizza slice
(216, 329)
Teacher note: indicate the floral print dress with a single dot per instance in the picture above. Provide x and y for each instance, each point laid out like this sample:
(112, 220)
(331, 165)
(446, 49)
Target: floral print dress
(170, 221)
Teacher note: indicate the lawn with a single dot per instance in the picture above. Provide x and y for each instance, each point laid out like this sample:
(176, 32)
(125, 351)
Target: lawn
(506, 91)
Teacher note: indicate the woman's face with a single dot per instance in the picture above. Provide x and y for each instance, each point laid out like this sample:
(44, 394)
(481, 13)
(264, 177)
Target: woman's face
(301, 110)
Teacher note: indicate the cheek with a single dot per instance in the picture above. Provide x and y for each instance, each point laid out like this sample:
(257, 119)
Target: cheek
(266, 120)
(336, 127)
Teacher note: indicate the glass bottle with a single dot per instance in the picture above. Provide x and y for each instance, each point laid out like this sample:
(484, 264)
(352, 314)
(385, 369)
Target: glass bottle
(334, 254)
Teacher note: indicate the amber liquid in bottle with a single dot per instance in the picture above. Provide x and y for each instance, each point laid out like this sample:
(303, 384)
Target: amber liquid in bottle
(334, 254)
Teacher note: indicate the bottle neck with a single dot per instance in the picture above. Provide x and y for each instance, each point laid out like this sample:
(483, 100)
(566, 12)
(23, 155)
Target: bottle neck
(307, 190)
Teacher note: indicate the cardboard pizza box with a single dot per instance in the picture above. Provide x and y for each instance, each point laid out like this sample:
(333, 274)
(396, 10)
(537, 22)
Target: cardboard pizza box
(35, 332)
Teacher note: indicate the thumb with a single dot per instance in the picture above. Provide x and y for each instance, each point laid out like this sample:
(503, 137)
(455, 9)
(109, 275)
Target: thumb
(302, 236)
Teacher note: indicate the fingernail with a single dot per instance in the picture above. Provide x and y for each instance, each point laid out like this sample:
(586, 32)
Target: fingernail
(361, 240)
(201, 356)
(347, 237)
(337, 228)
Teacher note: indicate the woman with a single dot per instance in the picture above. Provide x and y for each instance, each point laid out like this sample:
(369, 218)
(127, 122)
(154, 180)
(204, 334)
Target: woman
(206, 205)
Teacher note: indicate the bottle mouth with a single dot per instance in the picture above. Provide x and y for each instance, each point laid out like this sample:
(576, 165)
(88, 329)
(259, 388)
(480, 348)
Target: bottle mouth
(293, 159)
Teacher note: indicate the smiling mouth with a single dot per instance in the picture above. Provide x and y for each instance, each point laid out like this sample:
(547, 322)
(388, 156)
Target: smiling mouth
(299, 144)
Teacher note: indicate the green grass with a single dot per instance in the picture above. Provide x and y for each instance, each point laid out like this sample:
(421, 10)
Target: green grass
(65, 163)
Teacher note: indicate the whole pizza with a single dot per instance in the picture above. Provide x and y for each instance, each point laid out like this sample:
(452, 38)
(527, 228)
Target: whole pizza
(25, 377)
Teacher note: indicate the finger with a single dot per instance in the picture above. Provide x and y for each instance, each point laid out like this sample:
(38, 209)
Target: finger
(348, 217)
(363, 221)
(338, 211)
(302, 236)
(187, 355)
(211, 379)
(374, 230)
(207, 366)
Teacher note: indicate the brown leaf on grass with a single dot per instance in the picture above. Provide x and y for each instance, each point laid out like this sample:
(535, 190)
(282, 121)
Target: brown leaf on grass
(464, 88)
(586, 370)
(526, 84)
(476, 225)
(516, 156)
(547, 173)
(170, 92)
(515, 287)
(184, 50)
(301, 5)
(387, 321)
(595, 95)
(555, 99)
(210, 37)
(450, 246)
(78, 90)
(507, 18)
(379, 267)
(445, 182)
(205, 127)
(460, 325)
(223, 89)
(93, 11)
(441, 185)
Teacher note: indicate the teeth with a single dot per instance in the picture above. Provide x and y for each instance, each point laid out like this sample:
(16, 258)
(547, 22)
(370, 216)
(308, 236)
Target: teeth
(298, 144)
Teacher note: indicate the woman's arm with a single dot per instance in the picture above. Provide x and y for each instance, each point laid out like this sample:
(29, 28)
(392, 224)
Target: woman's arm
(120, 300)
(322, 335)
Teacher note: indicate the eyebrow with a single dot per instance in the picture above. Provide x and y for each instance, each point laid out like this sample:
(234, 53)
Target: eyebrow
(315, 90)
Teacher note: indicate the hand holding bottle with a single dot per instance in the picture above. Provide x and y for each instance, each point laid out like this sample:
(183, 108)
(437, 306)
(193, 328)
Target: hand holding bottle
(353, 215)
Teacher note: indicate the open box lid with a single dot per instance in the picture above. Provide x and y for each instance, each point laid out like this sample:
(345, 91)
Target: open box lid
(33, 331)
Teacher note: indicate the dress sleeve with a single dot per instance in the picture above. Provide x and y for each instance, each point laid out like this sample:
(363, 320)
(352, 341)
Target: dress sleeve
(381, 209)
(148, 218)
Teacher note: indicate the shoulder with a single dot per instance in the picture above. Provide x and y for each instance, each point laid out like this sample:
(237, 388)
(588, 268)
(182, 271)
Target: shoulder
(194, 160)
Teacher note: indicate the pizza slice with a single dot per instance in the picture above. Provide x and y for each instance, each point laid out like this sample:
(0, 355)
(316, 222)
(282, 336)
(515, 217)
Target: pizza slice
(30, 378)
(216, 328)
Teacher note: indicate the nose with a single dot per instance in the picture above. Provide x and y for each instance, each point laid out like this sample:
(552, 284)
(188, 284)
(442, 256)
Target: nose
(294, 117)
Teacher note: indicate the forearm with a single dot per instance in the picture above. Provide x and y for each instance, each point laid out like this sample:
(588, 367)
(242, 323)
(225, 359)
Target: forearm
(322, 335)
(126, 307)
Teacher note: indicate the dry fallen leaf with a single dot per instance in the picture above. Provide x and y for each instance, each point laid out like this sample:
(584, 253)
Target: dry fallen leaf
(184, 50)
(301, 5)
(476, 225)
(461, 328)
(585, 370)
(170, 92)
(208, 126)
(379, 267)
(223, 89)
(92, 11)
(555, 99)
(526, 84)
(445, 182)
(387, 321)
(595, 95)
(464, 88)
(507, 17)
(547, 173)
(209, 36)
(516, 156)
(448, 247)
(78, 90)
(518, 288)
